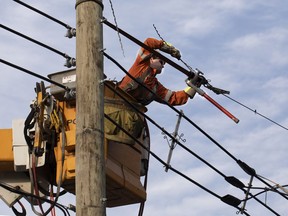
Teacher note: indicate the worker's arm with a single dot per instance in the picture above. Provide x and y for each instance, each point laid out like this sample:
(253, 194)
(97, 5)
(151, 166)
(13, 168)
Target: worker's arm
(172, 97)
(152, 43)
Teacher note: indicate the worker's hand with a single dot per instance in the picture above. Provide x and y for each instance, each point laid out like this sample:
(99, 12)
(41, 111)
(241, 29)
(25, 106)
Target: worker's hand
(169, 48)
(176, 53)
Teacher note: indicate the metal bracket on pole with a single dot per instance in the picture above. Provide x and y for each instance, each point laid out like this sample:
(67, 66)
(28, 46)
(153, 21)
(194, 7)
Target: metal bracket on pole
(173, 143)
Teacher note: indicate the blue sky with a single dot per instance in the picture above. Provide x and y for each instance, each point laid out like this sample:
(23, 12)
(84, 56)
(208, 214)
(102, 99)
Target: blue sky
(240, 45)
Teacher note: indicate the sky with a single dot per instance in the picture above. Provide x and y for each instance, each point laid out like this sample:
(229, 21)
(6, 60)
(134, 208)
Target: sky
(240, 45)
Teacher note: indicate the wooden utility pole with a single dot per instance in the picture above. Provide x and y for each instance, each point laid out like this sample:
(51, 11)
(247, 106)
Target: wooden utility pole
(90, 164)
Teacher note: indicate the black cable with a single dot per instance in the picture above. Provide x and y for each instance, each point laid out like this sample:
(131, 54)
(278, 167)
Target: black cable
(181, 145)
(185, 117)
(255, 111)
(44, 14)
(34, 74)
(190, 74)
(23, 193)
(165, 164)
(35, 41)
(172, 107)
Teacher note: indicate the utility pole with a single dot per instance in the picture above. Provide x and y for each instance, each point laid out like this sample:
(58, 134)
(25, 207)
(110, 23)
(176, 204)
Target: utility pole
(90, 163)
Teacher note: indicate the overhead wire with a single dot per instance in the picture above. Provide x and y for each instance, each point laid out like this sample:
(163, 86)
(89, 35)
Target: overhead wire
(183, 146)
(253, 110)
(36, 42)
(70, 62)
(153, 122)
(239, 162)
(170, 167)
(256, 112)
(118, 32)
(63, 56)
(43, 14)
(34, 74)
(64, 87)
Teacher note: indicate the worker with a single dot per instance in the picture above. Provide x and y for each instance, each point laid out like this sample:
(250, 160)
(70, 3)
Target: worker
(145, 69)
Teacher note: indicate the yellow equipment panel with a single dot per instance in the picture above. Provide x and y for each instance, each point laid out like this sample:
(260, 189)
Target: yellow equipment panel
(6, 156)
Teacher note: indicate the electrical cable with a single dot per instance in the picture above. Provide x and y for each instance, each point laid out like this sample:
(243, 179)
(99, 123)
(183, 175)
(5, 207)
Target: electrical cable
(23, 213)
(43, 14)
(17, 67)
(255, 111)
(49, 81)
(34, 74)
(183, 146)
(36, 42)
(190, 74)
(170, 167)
(23, 193)
(184, 116)
(36, 190)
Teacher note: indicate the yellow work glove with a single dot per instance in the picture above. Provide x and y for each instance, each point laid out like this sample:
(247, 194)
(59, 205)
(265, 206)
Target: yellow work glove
(170, 49)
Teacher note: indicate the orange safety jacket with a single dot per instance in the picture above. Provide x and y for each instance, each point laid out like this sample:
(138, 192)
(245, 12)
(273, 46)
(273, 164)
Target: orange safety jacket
(142, 71)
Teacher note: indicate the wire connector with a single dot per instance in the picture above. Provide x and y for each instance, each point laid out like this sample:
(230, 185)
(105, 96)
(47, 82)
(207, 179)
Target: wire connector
(71, 32)
(70, 94)
(70, 62)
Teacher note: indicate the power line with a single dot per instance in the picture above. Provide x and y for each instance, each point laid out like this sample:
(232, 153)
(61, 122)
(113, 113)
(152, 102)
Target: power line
(62, 86)
(255, 111)
(243, 165)
(232, 180)
(189, 120)
(228, 199)
(34, 74)
(69, 60)
(44, 14)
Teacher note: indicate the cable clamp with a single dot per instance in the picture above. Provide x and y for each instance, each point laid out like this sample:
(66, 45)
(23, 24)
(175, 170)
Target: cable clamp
(71, 32)
(70, 62)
